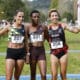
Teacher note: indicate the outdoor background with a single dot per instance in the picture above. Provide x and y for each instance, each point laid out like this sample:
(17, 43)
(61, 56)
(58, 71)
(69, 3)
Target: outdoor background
(68, 12)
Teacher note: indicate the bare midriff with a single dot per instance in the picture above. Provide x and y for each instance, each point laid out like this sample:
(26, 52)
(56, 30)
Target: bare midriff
(15, 45)
(37, 44)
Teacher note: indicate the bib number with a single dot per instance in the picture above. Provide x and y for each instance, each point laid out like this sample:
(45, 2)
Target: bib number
(36, 38)
(17, 39)
(56, 44)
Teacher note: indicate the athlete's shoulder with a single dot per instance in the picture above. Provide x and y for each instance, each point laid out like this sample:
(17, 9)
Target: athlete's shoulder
(44, 26)
(49, 26)
(62, 24)
(27, 25)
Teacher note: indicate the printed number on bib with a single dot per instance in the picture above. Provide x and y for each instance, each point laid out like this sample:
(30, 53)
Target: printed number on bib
(17, 39)
(36, 38)
(56, 44)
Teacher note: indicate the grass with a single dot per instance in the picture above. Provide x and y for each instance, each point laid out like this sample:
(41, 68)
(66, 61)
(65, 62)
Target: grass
(73, 65)
(73, 41)
(3, 43)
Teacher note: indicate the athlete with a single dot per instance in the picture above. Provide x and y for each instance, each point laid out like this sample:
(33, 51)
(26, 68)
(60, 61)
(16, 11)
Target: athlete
(58, 56)
(16, 50)
(37, 34)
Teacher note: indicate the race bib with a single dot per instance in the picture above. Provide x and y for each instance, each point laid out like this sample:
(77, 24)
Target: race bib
(56, 44)
(17, 39)
(36, 37)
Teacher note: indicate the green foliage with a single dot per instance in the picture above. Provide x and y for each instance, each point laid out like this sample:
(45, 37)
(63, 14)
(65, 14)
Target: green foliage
(67, 15)
(1, 10)
(43, 17)
(54, 4)
(10, 6)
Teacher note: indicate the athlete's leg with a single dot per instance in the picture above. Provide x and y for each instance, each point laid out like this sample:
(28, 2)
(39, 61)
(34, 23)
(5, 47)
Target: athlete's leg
(42, 68)
(10, 64)
(18, 68)
(33, 69)
(54, 66)
(63, 66)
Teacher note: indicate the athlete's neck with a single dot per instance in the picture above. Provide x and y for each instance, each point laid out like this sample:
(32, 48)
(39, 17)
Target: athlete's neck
(17, 25)
(35, 25)
(54, 24)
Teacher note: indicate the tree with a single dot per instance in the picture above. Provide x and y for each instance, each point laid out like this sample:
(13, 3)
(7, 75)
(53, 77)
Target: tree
(54, 4)
(1, 10)
(10, 6)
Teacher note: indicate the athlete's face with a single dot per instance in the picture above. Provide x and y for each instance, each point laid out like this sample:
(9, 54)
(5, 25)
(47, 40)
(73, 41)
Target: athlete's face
(54, 17)
(19, 17)
(35, 18)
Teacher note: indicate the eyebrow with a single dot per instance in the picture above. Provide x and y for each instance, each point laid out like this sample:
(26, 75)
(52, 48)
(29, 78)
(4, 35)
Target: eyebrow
(21, 16)
(35, 16)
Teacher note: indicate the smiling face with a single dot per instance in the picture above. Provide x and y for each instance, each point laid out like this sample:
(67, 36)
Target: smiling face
(54, 16)
(19, 17)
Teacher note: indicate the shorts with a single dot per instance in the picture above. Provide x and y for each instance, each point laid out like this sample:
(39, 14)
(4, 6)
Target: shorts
(59, 52)
(59, 55)
(37, 53)
(16, 53)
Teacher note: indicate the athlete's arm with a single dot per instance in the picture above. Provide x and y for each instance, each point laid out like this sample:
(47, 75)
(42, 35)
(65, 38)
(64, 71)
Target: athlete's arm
(5, 29)
(27, 44)
(73, 29)
(26, 38)
(46, 33)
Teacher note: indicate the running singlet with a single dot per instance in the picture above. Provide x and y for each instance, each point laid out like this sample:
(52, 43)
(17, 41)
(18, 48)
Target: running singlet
(36, 36)
(56, 38)
(16, 35)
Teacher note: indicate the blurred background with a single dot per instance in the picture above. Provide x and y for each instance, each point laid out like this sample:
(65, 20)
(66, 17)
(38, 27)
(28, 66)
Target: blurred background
(68, 12)
(67, 8)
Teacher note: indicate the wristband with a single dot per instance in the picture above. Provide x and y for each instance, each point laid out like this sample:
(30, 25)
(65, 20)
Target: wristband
(28, 53)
